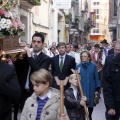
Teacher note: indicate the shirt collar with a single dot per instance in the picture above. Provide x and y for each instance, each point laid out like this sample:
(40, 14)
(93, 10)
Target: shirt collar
(74, 88)
(47, 95)
(36, 53)
(62, 56)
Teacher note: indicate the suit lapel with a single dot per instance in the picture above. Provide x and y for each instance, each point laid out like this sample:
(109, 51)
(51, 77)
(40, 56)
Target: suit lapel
(39, 57)
(57, 62)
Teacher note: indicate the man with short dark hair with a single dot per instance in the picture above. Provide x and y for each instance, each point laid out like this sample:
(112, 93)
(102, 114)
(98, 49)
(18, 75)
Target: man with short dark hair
(55, 47)
(61, 66)
(98, 57)
(111, 51)
(79, 48)
(74, 54)
(111, 56)
(33, 60)
(105, 46)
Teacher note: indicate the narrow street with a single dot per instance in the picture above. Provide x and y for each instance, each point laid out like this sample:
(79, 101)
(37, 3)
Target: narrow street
(99, 110)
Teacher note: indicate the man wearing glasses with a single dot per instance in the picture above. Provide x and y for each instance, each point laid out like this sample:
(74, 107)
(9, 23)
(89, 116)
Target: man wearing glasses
(33, 60)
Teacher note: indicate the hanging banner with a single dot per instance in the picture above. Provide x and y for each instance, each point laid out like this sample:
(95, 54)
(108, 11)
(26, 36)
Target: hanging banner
(93, 18)
(62, 4)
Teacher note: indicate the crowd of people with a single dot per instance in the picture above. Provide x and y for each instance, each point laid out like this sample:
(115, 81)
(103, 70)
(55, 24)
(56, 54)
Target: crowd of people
(32, 82)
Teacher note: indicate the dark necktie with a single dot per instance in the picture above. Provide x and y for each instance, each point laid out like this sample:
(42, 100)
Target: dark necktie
(35, 56)
(61, 64)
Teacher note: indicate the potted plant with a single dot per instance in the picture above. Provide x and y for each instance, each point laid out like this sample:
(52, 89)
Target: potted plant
(68, 18)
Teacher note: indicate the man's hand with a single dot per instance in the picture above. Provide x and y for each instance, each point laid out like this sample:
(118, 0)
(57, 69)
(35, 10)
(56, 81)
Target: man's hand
(111, 112)
(27, 51)
(63, 117)
(65, 80)
(57, 81)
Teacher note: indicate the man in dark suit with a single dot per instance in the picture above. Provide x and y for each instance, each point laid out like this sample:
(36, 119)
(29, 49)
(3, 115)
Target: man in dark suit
(111, 89)
(32, 61)
(105, 47)
(9, 88)
(109, 58)
(111, 51)
(61, 66)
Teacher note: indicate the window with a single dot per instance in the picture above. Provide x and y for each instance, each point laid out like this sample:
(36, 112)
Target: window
(95, 3)
(97, 16)
(97, 13)
(115, 7)
(95, 30)
(97, 25)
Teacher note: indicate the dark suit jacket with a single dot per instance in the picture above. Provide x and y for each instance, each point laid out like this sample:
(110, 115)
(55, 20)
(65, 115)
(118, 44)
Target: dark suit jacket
(69, 63)
(22, 66)
(105, 70)
(107, 60)
(111, 89)
(111, 51)
(9, 89)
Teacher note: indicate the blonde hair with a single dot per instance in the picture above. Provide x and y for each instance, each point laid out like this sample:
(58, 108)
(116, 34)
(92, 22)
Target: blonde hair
(42, 76)
(72, 76)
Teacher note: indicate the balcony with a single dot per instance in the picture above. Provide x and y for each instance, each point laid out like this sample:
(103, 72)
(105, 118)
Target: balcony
(30, 3)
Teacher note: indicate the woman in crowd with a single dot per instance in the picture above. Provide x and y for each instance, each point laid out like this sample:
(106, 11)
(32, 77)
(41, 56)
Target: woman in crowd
(89, 79)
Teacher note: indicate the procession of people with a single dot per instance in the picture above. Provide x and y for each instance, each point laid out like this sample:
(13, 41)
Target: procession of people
(32, 83)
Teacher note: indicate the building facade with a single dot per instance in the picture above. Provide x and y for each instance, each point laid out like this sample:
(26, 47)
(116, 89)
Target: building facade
(54, 23)
(117, 10)
(76, 17)
(113, 18)
(100, 30)
(35, 18)
(42, 18)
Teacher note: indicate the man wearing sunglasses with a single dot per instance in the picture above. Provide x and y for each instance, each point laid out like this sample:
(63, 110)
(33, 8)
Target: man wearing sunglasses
(33, 60)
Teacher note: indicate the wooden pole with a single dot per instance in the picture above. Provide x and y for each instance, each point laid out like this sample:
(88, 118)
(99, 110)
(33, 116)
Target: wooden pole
(81, 92)
(61, 97)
